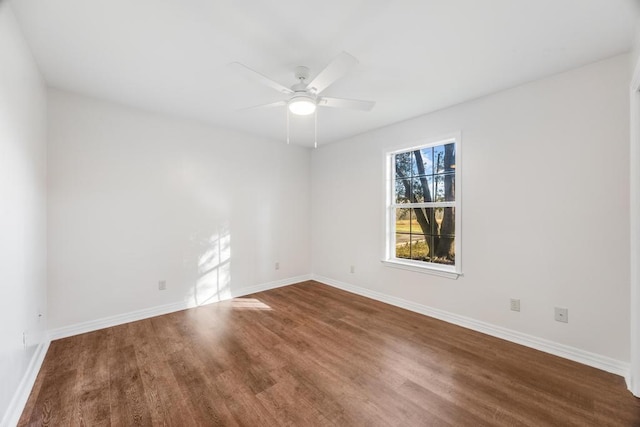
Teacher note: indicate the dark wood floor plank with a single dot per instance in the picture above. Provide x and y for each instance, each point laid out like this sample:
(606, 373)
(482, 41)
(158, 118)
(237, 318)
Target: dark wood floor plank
(51, 407)
(242, 402)
(206, 404)
(92, 385)
(126, 397)
(309, 354)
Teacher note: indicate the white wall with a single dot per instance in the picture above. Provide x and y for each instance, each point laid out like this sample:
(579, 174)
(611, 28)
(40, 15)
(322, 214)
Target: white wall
(135, 198)
(22, 206)
(545, 209)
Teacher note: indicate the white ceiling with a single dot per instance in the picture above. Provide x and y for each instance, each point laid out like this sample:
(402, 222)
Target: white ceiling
(415, 57)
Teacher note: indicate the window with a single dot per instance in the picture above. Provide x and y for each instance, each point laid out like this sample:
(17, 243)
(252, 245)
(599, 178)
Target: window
(423, 207)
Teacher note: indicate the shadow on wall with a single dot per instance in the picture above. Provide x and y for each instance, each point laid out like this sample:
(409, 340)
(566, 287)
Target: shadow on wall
(213, 282)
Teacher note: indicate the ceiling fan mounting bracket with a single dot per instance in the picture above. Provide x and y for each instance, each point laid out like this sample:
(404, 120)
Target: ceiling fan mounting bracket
(302, 73)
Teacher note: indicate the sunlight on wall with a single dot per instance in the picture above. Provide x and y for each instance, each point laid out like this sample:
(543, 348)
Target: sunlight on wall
(214, 267)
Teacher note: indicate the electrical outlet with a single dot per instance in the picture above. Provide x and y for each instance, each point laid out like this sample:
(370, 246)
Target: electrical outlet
(277, 266)
(162, 285)
(515, 304)
(562, 315)
(353, 269)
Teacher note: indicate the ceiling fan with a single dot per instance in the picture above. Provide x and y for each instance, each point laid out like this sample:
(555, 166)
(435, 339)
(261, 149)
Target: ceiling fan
(303, 98)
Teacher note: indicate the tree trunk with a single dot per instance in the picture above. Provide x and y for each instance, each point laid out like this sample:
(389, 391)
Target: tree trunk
(423, 221)
(428, 230)
(446, 247)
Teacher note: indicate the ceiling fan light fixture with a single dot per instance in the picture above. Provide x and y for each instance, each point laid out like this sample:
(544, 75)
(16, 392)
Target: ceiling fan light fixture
(302, 105)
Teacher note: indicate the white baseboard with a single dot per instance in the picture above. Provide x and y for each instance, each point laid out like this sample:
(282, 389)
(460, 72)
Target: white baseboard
(273, 285)
(21, 395)
(577, 355)
(119, 319)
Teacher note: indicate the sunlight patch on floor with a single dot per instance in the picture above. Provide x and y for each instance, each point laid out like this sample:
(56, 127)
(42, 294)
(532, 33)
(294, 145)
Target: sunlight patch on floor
(248, 304)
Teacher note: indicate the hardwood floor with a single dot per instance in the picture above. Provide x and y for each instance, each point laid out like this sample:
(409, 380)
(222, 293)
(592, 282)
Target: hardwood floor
(309, 354)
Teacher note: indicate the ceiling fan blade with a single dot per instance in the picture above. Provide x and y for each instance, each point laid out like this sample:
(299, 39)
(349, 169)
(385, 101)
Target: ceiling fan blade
(353, 104)
(336, 69)
(271, 104)
(253, 74)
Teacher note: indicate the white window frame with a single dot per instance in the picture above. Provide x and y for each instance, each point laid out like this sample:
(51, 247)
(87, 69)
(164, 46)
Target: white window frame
(389, 259)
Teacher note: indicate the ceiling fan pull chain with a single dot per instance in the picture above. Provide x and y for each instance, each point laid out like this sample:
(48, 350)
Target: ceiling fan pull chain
(315, 129)
(287, 125)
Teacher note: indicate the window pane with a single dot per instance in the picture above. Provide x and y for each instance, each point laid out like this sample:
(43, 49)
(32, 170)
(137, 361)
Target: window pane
(419, 247)
(435, 215)
(422, 188)
(403, 220)
(419, 163)
(439, 188)
(450, 187)
(446, 222)
(427, 160)
(401, 191)
(438, 159)
(442, 221)
(450, 157)
(420, 219)
(444, 251)
(445, 187)
(403, 165)
(403, 246)
(415, 225)
(438, 215)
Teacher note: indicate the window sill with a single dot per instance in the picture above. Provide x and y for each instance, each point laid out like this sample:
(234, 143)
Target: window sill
(449, 274)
